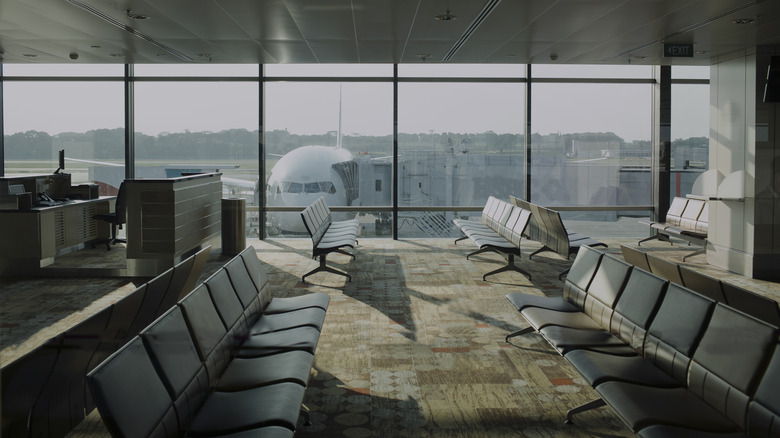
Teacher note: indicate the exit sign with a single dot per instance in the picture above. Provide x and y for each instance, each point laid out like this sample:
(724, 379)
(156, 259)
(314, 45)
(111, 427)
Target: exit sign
(678, 50)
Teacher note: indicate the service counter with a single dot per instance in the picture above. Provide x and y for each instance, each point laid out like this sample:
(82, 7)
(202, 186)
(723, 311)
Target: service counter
(32, 238)
(169, 219)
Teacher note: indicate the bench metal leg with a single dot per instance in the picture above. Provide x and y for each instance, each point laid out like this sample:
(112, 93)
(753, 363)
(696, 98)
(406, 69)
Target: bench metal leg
(658, 236)
(519, 333)
(323, 267)
(510, 266)
(593, 404)
(542, 249)
(563, 274)
(479, 251)
(460, 238)
(701, 251)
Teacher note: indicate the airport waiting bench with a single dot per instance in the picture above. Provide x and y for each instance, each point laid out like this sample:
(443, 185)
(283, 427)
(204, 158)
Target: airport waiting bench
(686, 219)
(44, 392)
(669, 361)
(755, 305)
(228, 359)
(500, 230)
(328, 236)
(547, 228)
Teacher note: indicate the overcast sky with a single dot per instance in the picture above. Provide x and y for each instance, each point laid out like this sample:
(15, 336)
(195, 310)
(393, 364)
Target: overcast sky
(366, 108)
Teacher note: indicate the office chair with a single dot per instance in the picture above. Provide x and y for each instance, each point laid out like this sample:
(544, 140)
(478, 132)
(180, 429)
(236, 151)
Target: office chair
(117, 218)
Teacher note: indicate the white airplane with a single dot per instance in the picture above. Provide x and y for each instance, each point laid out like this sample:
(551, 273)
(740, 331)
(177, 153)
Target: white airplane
(303, 175)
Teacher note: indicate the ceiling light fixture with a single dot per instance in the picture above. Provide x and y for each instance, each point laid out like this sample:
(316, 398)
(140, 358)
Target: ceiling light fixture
(743, 21)
(29, 55)
(446, 16)
(423, 56)
(133, 16)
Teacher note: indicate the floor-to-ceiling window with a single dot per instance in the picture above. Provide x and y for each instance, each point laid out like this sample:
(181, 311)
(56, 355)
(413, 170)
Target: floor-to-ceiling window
(591, 143)
(328, 130)
(200, 118)
(329, 133)
(460, 140)
(53, 107)
(690, 130)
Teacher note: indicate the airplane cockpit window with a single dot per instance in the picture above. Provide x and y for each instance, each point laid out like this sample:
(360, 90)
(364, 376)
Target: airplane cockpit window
(291, 187)
(316, 187)
(327, 187)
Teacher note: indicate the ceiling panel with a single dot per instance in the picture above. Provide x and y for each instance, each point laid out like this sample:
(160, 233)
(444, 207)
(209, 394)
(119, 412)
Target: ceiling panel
(339, 31)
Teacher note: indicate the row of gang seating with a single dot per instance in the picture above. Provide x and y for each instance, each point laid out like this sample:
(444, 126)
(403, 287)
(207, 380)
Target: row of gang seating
(761, 307)
(547, 228)
(44, 392)
(228, 360)
(328, 236)
(687, 219)
(669, 361)
(500, 230)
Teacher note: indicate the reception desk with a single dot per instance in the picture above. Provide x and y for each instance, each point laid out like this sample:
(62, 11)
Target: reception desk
(170, 218)
(31, 238)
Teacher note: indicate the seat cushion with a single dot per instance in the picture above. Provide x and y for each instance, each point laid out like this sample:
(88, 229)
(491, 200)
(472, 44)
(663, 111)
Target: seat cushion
(642, 406)
(661, 431)
(597, 368)
(225, 412)
(286, 304)
(246, 373)
(522, 300)
(540, 318)
(301, 338)
(564, 339)
(312, 316)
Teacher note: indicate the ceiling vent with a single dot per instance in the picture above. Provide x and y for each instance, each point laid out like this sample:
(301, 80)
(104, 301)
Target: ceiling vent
(483, 14)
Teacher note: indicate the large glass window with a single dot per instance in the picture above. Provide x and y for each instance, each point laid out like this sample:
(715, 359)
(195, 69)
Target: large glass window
(459, 143)
(85, 119)
(331, 140)
(194, 127)
(591, 144)
(690, 128)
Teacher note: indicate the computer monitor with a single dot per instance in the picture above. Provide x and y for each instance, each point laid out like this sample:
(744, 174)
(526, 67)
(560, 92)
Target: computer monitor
(61, 161)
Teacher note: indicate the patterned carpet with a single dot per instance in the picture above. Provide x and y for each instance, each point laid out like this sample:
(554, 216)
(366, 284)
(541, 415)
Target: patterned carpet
(412, 347)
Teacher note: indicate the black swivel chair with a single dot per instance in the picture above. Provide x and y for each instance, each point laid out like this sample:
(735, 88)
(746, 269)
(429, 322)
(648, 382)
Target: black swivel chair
(117, 218)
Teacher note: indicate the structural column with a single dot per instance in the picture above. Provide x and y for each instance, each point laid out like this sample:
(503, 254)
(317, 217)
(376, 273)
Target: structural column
(744, 219)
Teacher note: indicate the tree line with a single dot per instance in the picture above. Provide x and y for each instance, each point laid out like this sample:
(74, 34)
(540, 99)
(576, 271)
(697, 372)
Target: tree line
(239, 144)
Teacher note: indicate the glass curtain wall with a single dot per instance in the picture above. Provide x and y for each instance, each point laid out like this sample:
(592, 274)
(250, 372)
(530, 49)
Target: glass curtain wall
(690, 127)
(591, 144)
(75, 108)
(201, 118)
(460, 140)
(328, 133)
(460, 136)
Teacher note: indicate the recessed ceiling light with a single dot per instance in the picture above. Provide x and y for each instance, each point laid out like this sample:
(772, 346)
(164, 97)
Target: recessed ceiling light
(743, 21)
(117, 55)
(95, 47)
(134, 16)
(702, 52)
(29, 55)
(203, 55)
(446, 16)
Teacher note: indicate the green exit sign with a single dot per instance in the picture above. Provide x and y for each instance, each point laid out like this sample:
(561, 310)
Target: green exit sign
(678, 50)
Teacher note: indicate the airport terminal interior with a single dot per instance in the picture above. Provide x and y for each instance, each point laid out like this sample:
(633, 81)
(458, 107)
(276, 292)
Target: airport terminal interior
(472, 148)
